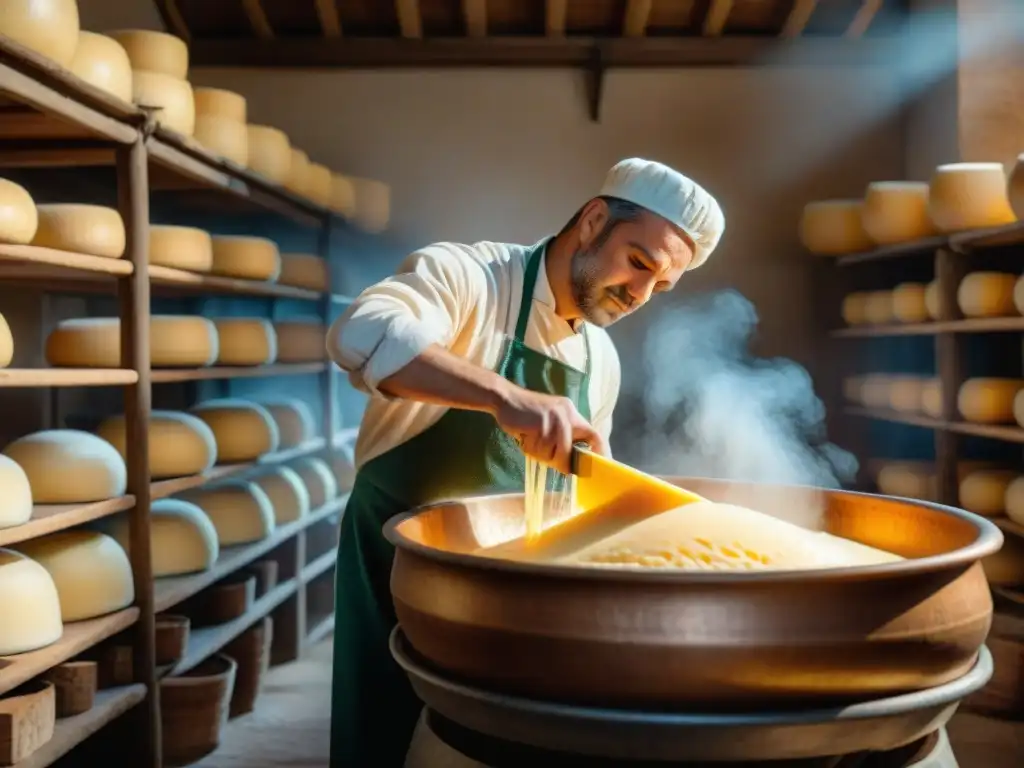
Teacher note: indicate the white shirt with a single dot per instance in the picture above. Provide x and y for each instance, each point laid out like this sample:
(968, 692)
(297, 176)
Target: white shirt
(465, 298)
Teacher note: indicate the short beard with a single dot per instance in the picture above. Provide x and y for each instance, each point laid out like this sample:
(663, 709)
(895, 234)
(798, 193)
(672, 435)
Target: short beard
(585, 291)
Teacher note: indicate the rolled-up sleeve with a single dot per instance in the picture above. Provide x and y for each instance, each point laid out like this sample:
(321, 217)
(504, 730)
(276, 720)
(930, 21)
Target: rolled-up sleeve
(609, 383)
(391, 323)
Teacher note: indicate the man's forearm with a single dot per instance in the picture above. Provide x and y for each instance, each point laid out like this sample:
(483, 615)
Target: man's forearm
(437, 376)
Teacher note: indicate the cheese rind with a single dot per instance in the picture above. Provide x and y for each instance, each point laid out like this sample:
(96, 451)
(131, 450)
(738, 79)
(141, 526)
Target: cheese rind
(931, 398)
(19, 219)
(1014, 500)
(270, 153)
(896, 212)
(158, 52)
(223, 136)
(318, 184)
(245, 341)
(6, 343)
(933, 301)
(301, 341)
(246, 258)
(983, 491)
(48, 27)
(29, 604)
(240, 511)
(372, 204)
(179, 443)
(319, 480)
(175, 341)
(244, 430)
(987, 294)
(221, 103)
(103, 62)
(909, 480)
(827, 227)
(874, 390)
(343, 195)
(187, 248)
(294, 418)
(182, 538)
(909, 304)
(288, 495)
(298, 173)
(68, 466)
(15, 494)
(878, 308)
(90, 229)
(986, 400)
(905, 393)
(969, 196)
(91, 571)
(304, 270)
(171, 97)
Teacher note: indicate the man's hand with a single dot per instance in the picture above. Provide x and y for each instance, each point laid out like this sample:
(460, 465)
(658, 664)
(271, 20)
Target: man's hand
(546, 426)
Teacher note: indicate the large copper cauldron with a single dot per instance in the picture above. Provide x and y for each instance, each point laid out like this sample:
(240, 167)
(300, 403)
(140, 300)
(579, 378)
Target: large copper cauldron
(679, 640)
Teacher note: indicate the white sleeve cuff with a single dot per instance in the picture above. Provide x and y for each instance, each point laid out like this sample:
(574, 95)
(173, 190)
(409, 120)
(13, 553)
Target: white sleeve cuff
(405, 340)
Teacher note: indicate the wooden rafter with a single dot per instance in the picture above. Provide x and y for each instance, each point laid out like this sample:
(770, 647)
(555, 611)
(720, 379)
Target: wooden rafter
(475, 14)
(635, 22)
(798, 18)
(718, 15)
(554, 17)
(258, 19)
(330, 21)
(409, 20)
(172, 18)
(868, 10)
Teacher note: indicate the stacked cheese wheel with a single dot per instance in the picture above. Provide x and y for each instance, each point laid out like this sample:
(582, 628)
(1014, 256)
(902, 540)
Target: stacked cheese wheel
(220, 123)
(910, 394)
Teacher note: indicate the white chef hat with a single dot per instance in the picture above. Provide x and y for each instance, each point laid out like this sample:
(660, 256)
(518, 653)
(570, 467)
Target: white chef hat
(669, 194)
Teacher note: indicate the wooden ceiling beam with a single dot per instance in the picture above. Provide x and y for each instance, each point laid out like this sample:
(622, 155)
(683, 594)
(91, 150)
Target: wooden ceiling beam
(634, 23)
(475, 14)
(258, 19)
(410, 22)
(798, 18)
(865, 15)
(555, 12)
(173, 21)
(718, 15)
(330, 21)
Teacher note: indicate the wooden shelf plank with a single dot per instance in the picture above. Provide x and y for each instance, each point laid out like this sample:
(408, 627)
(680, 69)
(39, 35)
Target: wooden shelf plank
(995, 237)
(81, 262)
(896, 417)
(319, 631)
(174, 375)
(66, 377)
(109, 704)
(49, 518)
(972, 325)
(1008, 526)
(321, 565)
(78, 636)
(925, 247)
(203, 642)
(203, 283)
(1004, 432)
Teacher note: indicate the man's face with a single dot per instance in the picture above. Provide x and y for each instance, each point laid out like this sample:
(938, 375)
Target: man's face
(616, 272)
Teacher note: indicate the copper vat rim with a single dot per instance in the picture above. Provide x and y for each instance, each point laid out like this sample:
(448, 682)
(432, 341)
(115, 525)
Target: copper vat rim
(988, 541)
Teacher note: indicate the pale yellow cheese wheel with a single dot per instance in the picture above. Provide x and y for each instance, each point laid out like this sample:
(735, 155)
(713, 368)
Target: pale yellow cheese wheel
(987, 294)
(343, 195)
(187, 248)
(304, 270)
(69, 466)
(319, 480)
(909, 479)
(1005, 568)
(6, 343)
(244, 430)
(171, 97)
(318, 184)
(223, 136)
(179, 443)
(19, 219)
(175, 341)
(103, 62)
(986, 400)
(48, 27)
(240, 511)
(1015, 188)
(287, 493)
(905, 393)
(373, 212)
(1014, 500)
(874, 390)
(878, 307)
(969, 196)
(270, 154)
(301, 341)
(344, 466)
(158, 52)
(294, 418)
(221, 103)
(90, 570)
(246, 341)
(15, 494)
(827, 227)
(182, 538)
(852, 388)
(854, 309)
(29, 604)
(90, 229)
(983, 491)
(896, 212)
(908, 303)
(246, 258)
(931, 398)
(1018, 295)
(298, 173)
(1018, 409)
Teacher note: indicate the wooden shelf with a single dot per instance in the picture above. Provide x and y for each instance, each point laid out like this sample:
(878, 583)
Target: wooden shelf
(896, 417)
(972, 325)
(194, 282)
(66, 377)
(319, 631)
(321, 565)
(1005, 433)
(995, 237)
(49, 518)
(1008, 526)
(108, 705)
(924, 247)
(14, 257)
(175, 375)
(78, 636)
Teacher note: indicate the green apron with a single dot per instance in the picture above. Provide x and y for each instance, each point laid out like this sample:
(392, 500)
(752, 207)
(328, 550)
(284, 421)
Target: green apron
(374, 710)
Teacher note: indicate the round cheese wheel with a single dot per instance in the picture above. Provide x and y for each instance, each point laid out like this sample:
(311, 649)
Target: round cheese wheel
(240, 511)
(221, 103)
(905, 393)
(988, 400)
(175, 341)
(246, 341)
(185, 248)
(931, 398)
(270, 154)
(373, 212)
(1005, 568)
(179, 444)
(295, 421)
(19, 219)
(15, 494)
(983, 491)
(969, 196)
(287, 493)
(244, 431)
(151, 51)
(908, 303)
(909, 480)
(827, 227)
(896, 211)
(103, 62)
(343, 195)
(301, 341)
(48, 27)
(878, 307)
(171, 97)
(987, 294)
(1014, 500)
(181, 539)
(933, 301)
(344, 466)
(90, 570)
(29, 604)
(304, 270)
(874, 390)
(6, 343)
(1018, 295)
(68, 466)
(247, 258)
(854, 309)
(319, 480)
(1015, 188)
(89, 229)
(298, 173)
(224, 137)
(318, 184)
(852, 387)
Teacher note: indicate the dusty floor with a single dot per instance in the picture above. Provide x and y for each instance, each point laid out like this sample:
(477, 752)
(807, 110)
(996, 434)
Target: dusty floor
(289, 728)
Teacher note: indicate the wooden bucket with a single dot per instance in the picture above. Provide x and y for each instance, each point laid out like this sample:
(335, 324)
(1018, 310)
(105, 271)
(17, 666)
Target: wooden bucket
(251, 651)
(194, 709)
